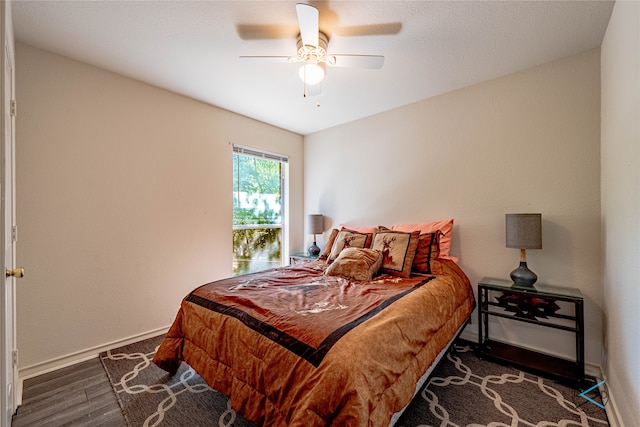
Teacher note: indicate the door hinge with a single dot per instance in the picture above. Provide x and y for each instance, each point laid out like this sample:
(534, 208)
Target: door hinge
(14, 233)
(15, 357)
(13, 108)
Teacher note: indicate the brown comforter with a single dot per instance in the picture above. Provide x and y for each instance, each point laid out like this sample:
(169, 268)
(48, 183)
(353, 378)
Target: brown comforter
(293, 347)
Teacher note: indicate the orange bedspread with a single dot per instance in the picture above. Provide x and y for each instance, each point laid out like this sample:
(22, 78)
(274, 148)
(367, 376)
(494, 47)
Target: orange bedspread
(293, 347)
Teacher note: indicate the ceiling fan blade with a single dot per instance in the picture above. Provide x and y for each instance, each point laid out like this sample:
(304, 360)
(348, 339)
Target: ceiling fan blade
(390, 28)
(266, 32)
(308, 20)
(359, 61)
(266, 58)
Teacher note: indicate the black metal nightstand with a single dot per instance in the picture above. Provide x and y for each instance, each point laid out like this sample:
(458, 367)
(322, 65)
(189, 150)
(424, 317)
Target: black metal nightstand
(534, 305)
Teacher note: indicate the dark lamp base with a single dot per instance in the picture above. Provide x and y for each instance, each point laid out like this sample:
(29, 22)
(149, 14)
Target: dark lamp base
(314, 249)
(522, 276)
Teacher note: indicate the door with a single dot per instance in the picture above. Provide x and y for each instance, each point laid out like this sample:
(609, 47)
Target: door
(9, 353)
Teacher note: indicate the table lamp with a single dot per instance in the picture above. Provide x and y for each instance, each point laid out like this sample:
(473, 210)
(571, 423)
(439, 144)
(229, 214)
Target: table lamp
(315, 225)
(524, 231)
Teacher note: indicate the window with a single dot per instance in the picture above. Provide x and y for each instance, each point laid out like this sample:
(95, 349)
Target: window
(258, 209)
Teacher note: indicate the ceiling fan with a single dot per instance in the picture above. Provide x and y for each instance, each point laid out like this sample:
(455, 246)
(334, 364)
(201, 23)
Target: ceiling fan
(312, 51)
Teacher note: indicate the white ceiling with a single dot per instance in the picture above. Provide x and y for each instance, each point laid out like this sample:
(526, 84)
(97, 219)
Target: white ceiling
(430, 47)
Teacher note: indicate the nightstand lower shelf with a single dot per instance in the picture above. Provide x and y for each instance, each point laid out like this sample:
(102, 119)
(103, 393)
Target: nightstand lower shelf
(540, 306)
(538, 363)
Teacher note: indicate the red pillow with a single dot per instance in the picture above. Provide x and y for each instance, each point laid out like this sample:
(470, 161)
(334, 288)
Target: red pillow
(365, 230)
(444, 229)
(427, 251)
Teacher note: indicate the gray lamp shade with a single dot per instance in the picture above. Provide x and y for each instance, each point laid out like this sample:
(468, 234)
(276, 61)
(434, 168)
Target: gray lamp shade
(315, 224)
(524, 230)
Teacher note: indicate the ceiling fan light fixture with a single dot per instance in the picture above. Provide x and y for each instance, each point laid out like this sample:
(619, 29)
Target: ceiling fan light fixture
(312, 53)
(311, 73)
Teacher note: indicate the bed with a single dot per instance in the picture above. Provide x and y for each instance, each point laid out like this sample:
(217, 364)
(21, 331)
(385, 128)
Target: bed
(344, 341)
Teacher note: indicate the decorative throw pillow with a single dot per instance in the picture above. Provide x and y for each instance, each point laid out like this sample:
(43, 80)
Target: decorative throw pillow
(427, 251)
(437, 265)
(356, 264)
(443, 228)
(326, 251)
(347, 239)
(398, 251)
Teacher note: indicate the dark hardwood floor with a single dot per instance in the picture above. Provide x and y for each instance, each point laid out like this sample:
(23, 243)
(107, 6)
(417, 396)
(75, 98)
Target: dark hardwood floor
(78, 395)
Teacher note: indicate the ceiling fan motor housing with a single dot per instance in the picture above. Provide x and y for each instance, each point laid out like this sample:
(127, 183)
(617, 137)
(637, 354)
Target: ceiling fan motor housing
(313, 54)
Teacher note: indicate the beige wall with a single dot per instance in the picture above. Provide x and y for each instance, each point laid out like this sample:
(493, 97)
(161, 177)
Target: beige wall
(124, 202)
(621, 207)
(527, 142)
(123, 207)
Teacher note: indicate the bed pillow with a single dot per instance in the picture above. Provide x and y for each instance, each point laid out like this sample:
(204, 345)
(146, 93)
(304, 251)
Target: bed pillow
(326, 251)
(426, 253)
(356, 264)
(437, 266)
(369, 231)
(348, 239)
(398, 251)
(365, 230)
(443, 228)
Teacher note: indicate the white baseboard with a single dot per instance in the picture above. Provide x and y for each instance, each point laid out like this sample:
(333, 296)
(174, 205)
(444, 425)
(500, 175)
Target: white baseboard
(611, 408)
(77, 357)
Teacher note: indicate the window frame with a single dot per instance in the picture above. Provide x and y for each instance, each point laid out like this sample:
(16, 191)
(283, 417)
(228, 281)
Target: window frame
(284, 194)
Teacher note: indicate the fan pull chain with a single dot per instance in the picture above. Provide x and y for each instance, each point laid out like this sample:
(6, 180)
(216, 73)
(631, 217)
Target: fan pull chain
(304, 82)
(304, 88)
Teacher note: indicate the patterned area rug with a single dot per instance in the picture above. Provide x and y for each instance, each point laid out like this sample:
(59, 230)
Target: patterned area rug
(467, 391)
(463, 391)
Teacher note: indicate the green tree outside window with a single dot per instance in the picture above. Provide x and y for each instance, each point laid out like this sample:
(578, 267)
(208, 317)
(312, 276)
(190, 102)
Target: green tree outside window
(257, 214)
